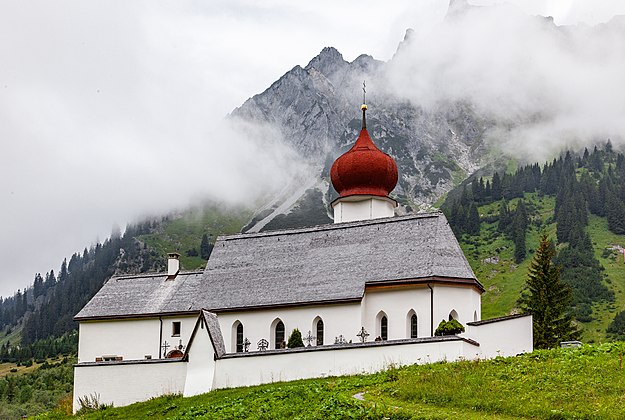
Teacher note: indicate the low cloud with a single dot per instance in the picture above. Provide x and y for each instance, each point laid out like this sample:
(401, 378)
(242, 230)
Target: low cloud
(113, 110)
(548, 87)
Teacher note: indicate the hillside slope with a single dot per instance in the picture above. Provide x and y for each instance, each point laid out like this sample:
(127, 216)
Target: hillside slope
(591, 256)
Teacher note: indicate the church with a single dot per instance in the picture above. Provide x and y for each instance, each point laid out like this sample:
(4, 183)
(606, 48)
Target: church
(367, 293)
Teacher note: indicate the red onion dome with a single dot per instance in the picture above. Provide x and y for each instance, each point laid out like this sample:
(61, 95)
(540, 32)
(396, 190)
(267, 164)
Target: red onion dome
(364, 169)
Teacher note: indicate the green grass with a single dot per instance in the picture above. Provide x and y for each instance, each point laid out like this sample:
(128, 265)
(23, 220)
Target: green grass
(549, 384)
(11, 336)
(185, 232)
(603, 313)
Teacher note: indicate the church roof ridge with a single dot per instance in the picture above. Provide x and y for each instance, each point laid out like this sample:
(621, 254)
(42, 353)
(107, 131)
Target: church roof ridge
(154, 274)
(329, 226)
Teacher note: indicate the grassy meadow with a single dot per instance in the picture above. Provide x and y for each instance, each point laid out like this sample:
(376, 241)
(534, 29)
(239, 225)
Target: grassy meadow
(584, 383)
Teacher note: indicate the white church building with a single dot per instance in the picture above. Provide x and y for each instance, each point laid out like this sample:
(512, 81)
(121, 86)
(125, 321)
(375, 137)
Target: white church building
(367, 293)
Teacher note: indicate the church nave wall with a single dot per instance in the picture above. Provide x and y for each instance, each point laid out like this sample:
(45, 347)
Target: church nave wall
(396, 304)
(132, 339)
(464, 300)
(339, 319)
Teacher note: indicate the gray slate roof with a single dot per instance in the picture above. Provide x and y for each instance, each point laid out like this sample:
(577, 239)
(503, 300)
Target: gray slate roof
(141, 295)
(298, 266)
(214, 331)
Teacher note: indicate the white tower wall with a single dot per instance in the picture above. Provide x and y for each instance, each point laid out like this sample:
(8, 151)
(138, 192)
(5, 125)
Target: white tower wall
(362, 207)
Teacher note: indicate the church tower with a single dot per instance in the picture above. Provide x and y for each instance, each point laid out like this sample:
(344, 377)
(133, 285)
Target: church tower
(363, 176)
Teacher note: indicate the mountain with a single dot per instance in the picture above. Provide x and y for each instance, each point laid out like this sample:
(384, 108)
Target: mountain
(317, 109)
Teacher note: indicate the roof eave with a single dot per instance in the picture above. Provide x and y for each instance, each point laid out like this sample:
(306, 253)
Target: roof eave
(468, 281)
(136, 315)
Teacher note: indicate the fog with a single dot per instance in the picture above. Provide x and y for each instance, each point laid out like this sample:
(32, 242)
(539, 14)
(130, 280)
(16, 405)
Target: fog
(115, 110)
(547, 87)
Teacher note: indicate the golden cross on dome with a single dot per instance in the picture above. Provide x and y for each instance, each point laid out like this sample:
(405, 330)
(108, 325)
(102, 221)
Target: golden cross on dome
(364, 104)
(364, 92)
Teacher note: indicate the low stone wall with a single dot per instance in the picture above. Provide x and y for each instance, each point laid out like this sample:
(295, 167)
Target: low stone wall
(124, 383)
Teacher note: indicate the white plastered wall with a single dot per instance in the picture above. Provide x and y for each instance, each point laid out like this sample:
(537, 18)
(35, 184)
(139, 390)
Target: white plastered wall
(124, 384)
(337, 319)
(201, 364)
(350, 209)
(465, 300)
(132, 339)
(254, 370)
(507, 337)
(396, 303)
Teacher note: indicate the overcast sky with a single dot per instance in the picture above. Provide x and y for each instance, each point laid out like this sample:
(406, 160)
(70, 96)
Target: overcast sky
(113, 110)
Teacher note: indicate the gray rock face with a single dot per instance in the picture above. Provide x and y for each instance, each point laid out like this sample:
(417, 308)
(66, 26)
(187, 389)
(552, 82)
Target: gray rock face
(317, 108)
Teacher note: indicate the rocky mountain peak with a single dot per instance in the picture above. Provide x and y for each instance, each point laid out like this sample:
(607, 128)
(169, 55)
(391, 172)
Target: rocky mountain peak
(317, 110)
(330, 63)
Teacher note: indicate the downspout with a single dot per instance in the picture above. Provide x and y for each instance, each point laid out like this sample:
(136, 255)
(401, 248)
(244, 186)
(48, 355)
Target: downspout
(160, 338)
(431, 310)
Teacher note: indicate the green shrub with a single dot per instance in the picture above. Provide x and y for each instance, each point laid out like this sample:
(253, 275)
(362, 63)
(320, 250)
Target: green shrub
(295, 339)
(449, 328)
(616, 329)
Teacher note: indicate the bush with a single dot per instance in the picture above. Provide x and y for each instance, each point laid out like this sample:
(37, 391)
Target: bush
(616, 329)
(449, 328)
(295, 340)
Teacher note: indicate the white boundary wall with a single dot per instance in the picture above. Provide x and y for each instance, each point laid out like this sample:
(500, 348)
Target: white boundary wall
(125, 383)
(506, 337)
(246, 370)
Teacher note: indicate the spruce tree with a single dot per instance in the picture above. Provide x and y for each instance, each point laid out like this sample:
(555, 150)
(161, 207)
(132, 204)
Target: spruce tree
(504, 216)
(472, 221)
(205, 247)
(548, 299)
(496, 188)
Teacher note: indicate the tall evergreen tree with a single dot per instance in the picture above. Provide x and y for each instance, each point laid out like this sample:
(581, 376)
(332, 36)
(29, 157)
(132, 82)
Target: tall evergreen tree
(615, 213)
(50, 280)
(548, 299)
(504, 216)
(205, 247)
(38, 288)
(496, 188)
(472, 221)
(519, 228)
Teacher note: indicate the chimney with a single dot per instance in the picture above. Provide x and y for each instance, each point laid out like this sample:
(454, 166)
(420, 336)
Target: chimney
(173, 265)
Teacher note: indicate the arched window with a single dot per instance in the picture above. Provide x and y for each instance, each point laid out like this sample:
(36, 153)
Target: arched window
(413, 326)
(381, 326)
(319, 332)
(475, 316)
(384, 328)
(412, 323)
(279, 335)
(240, 338)
(453, 315)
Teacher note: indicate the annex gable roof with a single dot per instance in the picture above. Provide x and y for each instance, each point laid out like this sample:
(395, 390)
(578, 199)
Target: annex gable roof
(321, 264)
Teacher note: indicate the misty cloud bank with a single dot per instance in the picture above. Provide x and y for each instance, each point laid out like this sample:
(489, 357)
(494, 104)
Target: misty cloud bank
(114, 110)
(111, 113)
(547, 87)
